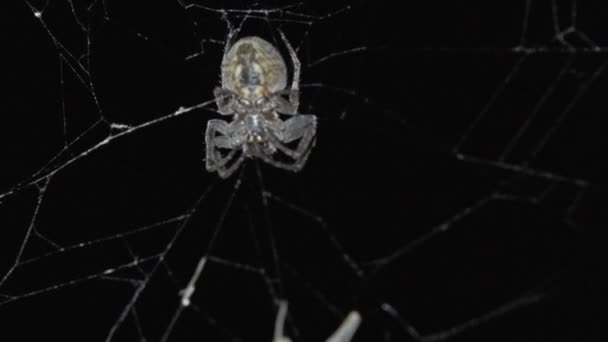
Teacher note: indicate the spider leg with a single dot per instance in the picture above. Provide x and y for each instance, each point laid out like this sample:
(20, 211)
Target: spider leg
(294, 167)
(304, 126)
(295, 62)
(301, 127)
(224, 99)
(225, 172)
(291, 106)
(229, 39)
(214, 160)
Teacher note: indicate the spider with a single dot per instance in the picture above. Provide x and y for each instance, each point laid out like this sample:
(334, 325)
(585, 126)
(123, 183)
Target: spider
(254, 91)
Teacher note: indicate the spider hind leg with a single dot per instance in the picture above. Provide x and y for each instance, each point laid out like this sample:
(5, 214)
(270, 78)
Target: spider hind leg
(225, 164)
(298, 139)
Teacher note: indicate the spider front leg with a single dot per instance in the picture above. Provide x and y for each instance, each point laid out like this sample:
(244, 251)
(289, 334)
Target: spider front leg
(214, 161)
(291, 106)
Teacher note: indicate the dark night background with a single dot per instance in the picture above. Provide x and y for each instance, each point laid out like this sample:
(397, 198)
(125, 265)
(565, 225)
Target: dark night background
(458, 175)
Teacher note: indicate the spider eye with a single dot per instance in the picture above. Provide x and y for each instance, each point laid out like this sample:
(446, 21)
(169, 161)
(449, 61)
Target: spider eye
(260, 101)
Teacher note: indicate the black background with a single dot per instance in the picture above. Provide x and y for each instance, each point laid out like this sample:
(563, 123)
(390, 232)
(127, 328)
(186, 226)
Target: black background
(423, 191)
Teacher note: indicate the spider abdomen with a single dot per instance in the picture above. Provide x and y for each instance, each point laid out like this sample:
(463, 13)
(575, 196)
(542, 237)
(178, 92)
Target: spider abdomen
(253, 67)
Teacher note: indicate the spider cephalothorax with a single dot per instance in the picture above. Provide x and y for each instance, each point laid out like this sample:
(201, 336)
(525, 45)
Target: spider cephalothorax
(254, 81)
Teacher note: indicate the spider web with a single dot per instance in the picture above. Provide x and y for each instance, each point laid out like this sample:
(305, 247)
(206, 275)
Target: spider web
(453, 192)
